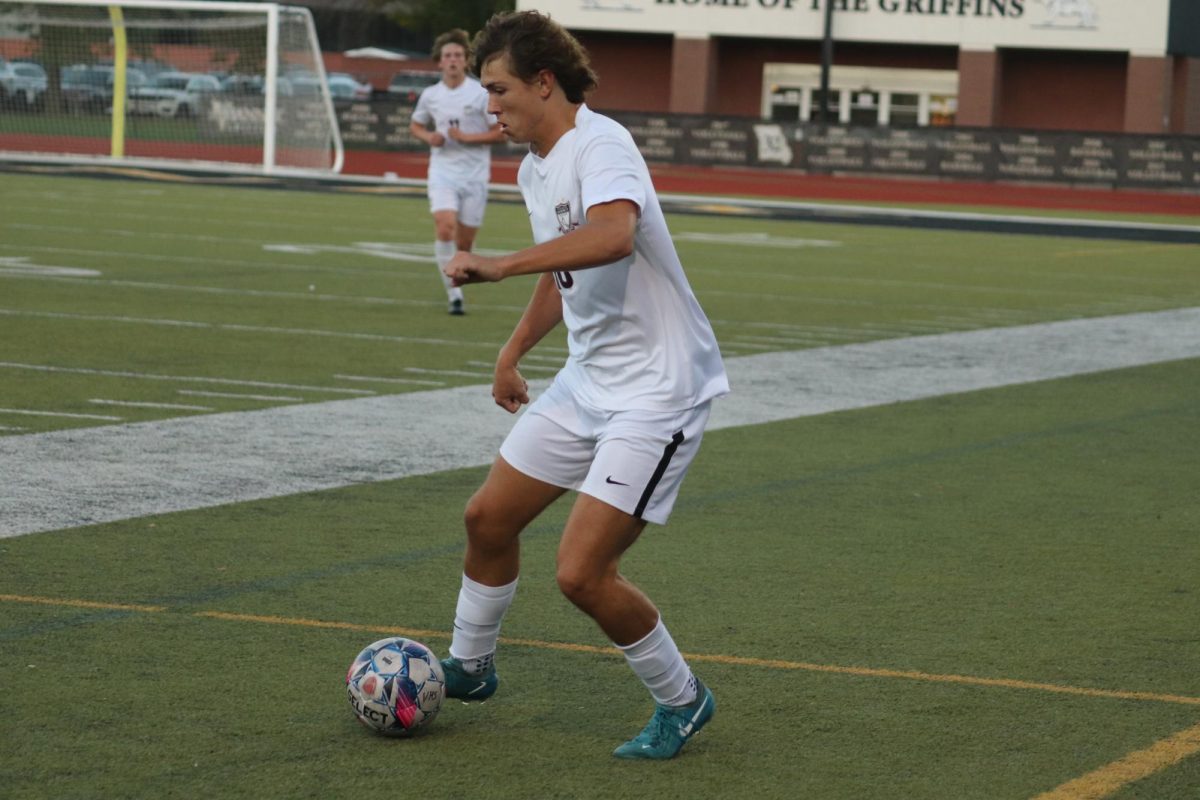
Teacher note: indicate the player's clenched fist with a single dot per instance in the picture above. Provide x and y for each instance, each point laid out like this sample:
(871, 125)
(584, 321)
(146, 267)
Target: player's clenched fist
(471, 268)
(509, 389)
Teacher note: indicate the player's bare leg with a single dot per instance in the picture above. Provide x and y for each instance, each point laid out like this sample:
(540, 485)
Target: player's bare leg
(496, 514)
(464, 237)
(596, 537)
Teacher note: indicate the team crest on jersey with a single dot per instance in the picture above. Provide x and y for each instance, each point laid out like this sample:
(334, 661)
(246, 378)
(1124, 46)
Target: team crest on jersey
(562, 210)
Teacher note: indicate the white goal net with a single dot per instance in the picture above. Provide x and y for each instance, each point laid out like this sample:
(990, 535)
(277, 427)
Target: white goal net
(174, 83)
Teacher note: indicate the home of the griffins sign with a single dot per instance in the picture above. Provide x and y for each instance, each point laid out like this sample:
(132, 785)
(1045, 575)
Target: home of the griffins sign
(962, 8)
(1118, 25)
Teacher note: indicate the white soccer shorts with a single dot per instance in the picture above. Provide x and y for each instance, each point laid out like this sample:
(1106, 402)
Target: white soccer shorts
(467, 200)
(633, 460)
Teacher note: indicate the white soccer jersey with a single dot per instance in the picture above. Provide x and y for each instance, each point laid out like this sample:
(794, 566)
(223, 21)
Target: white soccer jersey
(439, 107)
(638, 338)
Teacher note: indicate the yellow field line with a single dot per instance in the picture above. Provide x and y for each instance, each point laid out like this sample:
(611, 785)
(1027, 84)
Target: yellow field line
(1113, 777)
(968, 680)
(54, 601)
(414, 633)
(868, 672)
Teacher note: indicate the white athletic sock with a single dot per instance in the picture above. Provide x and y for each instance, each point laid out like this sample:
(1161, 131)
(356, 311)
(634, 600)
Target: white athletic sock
(657, 661)
(443, 252)
(477, 622)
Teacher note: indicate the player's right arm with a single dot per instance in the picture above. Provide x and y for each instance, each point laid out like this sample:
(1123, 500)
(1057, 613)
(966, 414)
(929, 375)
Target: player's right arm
(542, 315)
(608, 236)
(431, 138)
(422, 118)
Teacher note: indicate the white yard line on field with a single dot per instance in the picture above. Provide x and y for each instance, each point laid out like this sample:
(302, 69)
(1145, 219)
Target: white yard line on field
(239, 328)
(461, 373)
(208, 261)
(41, 273)
(69, 478)
(490, 366)
(755, 239)
(270, 398)
(378, 379)
(150, 376)
(28, 412)
(100, 401)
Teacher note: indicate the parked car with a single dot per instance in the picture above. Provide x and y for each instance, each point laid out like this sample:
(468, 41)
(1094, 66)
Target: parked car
(238, 83)
(253, 84)
(344, 88)
(407, 85)
(89, 87)
(148, 67)
(304, 83)
(174, 94)
(22, 84)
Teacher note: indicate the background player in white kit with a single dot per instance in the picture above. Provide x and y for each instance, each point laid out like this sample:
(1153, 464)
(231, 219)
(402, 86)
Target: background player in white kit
(625, 415)
(451, 117)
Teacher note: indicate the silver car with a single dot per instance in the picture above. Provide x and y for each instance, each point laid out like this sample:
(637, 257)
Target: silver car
(174, 94)
(22, 84)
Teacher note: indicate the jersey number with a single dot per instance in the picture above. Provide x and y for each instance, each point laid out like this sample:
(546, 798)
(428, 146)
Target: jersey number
(563, 280)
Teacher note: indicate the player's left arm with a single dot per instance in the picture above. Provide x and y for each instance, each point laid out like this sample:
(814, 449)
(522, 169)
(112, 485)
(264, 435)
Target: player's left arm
(607, 237)
(542, 315)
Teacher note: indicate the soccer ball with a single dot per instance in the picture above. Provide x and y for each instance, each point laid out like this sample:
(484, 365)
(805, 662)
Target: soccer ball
(395, 686)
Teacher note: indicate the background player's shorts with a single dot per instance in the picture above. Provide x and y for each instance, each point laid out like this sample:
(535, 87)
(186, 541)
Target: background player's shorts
(467, 200)
(632, 460)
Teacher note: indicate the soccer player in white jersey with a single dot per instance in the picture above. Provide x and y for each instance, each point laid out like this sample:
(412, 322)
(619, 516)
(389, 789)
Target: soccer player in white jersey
(624, 417)
(451, 117)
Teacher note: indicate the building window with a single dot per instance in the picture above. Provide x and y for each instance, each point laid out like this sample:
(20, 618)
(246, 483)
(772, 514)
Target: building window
(814, 105)
(863, 96)
(942, 109)
(905, 111)
(865, 108)
(785, 104)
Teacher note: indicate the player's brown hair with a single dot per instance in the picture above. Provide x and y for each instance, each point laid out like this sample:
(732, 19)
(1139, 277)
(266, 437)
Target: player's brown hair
(456, 36)
(535, 42)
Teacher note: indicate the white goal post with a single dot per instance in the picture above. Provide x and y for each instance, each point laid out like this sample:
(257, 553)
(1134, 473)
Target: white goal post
(184, 84)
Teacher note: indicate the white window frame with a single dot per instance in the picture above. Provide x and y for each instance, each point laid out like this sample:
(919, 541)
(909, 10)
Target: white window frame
(845, 80)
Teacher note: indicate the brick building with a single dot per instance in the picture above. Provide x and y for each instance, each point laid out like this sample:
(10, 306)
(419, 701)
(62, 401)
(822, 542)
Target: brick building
(1118, 66)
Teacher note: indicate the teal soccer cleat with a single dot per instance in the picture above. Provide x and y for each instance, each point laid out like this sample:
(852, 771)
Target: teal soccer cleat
(466, 687)
(670, 728)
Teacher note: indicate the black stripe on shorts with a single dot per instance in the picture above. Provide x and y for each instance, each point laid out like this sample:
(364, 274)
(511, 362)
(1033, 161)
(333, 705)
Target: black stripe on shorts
(659, 471)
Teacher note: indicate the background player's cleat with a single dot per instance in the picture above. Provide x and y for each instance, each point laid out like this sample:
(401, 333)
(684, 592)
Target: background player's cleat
(670, 727)
(456, 308)
(466, 687)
